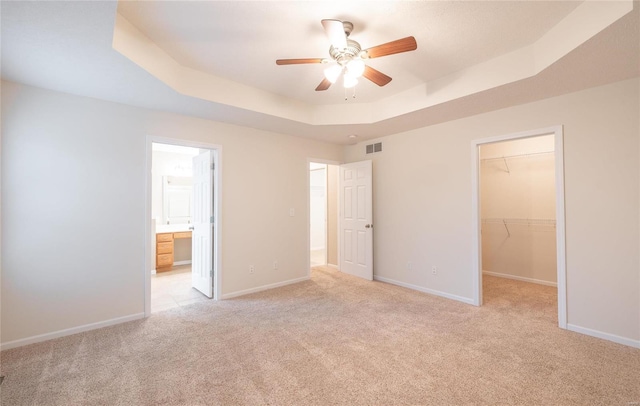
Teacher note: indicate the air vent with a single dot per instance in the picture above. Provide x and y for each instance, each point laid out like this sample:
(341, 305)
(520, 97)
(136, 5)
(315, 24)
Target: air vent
(372, 148)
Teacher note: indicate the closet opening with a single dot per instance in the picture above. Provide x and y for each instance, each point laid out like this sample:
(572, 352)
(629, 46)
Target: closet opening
(520, 220)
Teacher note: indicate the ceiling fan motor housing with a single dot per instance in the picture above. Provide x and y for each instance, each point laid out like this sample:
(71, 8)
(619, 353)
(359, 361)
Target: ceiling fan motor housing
(343, 56)
(348, 27)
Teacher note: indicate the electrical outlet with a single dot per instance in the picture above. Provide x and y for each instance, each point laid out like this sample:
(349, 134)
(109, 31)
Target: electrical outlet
(409, 266)
(434, 270)
(275, 265)
(252, 269)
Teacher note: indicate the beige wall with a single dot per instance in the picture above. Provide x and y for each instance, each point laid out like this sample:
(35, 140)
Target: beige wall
(182, 249)
(332, 214)
(73, 199)
(423, 202)
(518, 204)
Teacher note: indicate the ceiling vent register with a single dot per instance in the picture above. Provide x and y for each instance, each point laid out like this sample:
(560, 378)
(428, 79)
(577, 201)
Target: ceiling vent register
(373, 148)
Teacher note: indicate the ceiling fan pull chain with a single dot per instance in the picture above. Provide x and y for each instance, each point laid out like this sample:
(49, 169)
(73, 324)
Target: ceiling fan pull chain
(354, 92)
(345, 94)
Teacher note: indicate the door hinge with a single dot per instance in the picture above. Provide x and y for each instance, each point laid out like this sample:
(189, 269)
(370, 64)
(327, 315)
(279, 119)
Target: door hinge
(211, 273)
(213, 166)
(212, 220)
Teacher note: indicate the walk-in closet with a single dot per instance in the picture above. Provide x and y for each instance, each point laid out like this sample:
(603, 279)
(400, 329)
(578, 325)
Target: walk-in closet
(518, 207)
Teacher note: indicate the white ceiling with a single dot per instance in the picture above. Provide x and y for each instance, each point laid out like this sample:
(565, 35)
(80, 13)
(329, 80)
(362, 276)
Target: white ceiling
(471, 57)
(242, 40)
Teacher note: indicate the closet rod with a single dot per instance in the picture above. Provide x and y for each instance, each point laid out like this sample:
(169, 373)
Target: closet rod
(517, 156)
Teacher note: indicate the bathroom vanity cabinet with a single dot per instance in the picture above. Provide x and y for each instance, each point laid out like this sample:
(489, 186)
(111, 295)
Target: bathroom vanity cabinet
(165, 247)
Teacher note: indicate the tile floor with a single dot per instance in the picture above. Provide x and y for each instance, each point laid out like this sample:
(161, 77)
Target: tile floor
(318, 257)
(171, 289)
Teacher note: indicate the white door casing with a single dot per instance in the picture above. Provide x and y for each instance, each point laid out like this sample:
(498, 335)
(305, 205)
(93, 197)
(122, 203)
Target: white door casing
(561, 270)
(202, 235)
(356, 219)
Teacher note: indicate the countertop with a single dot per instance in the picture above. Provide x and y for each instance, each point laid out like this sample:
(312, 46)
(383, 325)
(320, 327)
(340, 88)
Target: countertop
(172, 228)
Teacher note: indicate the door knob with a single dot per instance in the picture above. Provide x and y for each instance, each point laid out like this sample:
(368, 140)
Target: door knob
(191, 228)
(369, 226)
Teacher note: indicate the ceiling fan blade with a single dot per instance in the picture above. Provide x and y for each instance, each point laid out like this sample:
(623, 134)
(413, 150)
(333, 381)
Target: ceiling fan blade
(393, 47)
(375, 76)
(324, 85)
(298, 61)
(335, 32)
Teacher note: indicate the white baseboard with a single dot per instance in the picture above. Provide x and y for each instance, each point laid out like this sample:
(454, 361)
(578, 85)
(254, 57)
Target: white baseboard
(520, 278)
(605, 336)
(69, 331)
(425, 290)
(178, 263)
(264, 287)
(333, 266)
(153, 272)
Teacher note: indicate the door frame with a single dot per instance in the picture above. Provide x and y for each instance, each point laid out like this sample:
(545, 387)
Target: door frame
(558, 133)
(308, 212)
(217, 210)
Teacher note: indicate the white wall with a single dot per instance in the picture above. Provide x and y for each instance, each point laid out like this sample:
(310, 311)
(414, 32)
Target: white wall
(422, 202)
(73, 202)
(517, 200)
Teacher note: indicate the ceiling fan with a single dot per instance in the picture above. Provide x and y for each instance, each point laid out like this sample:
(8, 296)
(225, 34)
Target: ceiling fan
(348, 57)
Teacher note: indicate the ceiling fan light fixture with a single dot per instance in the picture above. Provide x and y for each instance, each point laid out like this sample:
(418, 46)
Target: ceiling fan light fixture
(349, 81)
(332, 73)
(355, 67)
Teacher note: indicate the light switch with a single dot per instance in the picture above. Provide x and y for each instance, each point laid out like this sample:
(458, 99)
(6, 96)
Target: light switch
(292, 212)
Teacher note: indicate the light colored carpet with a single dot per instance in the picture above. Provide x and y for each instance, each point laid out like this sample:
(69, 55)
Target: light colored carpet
(334, 340)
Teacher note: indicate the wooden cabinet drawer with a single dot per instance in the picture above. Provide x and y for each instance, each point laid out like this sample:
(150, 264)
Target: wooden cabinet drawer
(186, 234)
(164, 237)
(164, 260)
(165, 248)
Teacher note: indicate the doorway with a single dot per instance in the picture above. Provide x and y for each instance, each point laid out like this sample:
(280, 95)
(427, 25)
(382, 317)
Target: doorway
(171, 220)
(323, 214)
(182, 258)
(519, 214)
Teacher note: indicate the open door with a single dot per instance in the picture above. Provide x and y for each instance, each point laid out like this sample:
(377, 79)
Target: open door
(356, 219)
(202, 237)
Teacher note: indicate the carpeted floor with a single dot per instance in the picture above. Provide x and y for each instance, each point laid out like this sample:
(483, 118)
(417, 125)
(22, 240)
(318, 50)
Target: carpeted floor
(334, 340)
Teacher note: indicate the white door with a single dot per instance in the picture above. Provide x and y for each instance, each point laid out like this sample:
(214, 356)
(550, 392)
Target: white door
(356, 219)
(202, 235)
